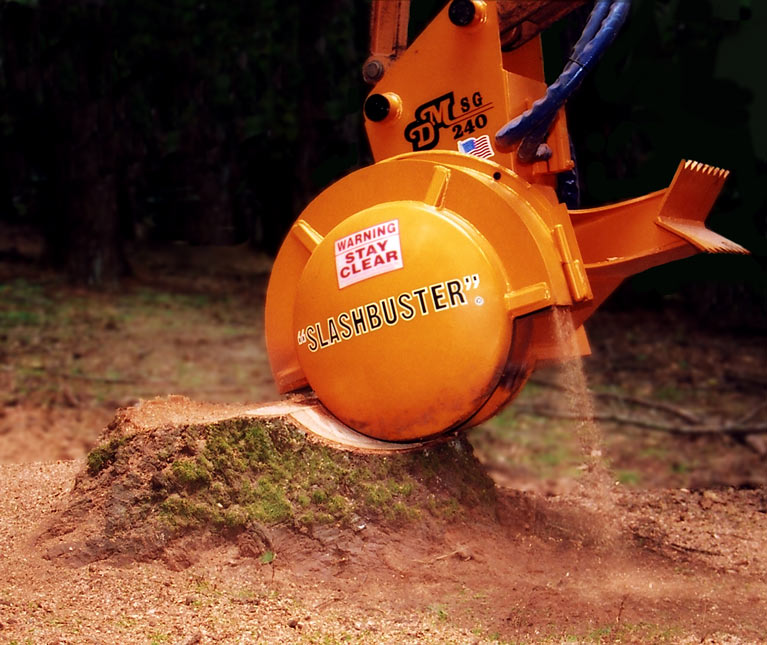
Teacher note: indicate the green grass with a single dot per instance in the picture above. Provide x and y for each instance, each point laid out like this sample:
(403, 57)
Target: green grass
(19, 318)
(629, 633)
(671, 393)
(600, 635)
(440, 612)
(680, 467)
(545, 448)
(628, 477)
(57, 340)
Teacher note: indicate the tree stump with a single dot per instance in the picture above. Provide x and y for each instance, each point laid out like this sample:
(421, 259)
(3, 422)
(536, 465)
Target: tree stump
(168, 471)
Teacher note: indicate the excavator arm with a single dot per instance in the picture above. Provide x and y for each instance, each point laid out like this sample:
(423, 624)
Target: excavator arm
(519, 22)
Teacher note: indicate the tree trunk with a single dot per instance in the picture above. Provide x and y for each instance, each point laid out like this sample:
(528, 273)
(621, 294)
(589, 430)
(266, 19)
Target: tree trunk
(81, 223)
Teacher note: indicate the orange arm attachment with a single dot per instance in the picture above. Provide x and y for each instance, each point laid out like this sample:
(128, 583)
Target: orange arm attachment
(519, 20)
(388, 36)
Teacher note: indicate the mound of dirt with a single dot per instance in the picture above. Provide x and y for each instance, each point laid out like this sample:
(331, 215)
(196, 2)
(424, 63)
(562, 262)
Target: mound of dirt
(170, 476)
(216, 494)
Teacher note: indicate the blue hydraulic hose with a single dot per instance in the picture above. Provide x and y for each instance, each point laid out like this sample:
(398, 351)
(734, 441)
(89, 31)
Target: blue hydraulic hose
(596, 18)
(531, 127)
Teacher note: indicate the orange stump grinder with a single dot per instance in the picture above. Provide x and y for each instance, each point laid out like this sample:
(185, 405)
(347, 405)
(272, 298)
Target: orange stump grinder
(415, 296)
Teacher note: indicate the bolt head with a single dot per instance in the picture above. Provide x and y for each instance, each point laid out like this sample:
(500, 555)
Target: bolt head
(373, 71)
(461, 12)
(377, 107)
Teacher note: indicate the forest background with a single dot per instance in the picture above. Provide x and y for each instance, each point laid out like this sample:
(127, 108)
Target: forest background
(214, 123)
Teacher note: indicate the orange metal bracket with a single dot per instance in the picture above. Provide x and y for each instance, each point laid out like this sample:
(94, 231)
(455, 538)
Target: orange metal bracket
(388, 36)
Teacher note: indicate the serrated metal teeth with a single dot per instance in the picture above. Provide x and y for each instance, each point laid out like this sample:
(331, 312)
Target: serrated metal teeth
(705, 169)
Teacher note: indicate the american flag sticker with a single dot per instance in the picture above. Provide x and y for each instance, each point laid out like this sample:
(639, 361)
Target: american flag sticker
(477, 146)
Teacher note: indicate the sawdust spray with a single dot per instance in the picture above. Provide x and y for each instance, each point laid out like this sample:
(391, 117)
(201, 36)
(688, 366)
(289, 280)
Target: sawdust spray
(596, 484)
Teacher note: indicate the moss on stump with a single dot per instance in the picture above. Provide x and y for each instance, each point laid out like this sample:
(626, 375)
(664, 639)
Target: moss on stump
(143, 489)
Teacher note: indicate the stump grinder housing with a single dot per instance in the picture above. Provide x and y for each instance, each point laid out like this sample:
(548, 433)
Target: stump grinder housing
(415, 296)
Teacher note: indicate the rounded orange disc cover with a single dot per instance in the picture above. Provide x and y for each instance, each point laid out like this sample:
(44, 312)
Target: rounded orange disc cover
(401, 325)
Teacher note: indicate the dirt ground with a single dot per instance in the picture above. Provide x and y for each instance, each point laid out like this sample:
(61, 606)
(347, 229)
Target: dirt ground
(648, 527)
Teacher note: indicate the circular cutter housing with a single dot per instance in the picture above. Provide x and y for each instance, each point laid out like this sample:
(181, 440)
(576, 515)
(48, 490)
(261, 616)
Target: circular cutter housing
(398, 295)
(400, 320)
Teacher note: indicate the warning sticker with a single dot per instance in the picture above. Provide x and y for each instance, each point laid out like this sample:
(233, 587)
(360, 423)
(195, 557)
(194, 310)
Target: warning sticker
(368, 253)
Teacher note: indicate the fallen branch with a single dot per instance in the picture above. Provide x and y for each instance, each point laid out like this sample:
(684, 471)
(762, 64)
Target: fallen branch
(681, 413)
(752, 415)
(725, 428)
(692, 549)
(460, 552)
(750, 378)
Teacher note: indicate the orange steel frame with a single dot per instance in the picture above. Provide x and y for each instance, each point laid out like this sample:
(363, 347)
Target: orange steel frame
(495, 213)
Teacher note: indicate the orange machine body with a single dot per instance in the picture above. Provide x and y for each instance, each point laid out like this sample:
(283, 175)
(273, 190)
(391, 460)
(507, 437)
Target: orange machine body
(415, 296)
